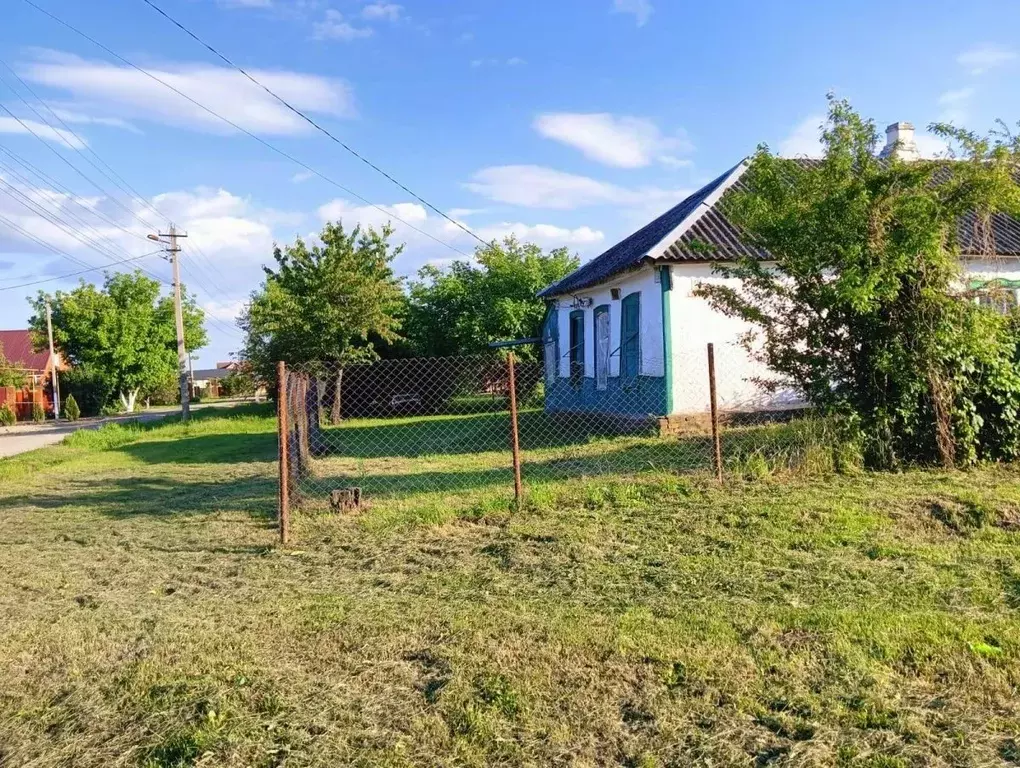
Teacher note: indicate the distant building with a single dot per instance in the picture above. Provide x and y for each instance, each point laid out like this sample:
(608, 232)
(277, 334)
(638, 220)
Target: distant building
(17, 347)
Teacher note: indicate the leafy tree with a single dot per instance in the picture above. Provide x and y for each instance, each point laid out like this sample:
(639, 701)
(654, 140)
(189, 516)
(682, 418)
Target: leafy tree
(123, 333)
(863, 308)
(325, 303)
(38, 412)
(462, 308)
(12, 374)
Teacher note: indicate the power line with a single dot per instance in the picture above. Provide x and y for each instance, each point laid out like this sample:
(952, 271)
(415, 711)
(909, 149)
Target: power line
(80, 272)
(245, 131)
(122, 184)
(309, 120)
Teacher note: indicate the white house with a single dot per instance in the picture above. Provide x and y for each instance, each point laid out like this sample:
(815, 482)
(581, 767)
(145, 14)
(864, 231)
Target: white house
(625, 334)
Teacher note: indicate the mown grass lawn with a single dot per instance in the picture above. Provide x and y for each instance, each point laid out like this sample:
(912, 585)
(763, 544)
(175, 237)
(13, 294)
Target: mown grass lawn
(147, 617)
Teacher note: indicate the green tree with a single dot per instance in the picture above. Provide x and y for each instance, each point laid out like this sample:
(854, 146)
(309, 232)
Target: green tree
(123, 332)
(12, 374)
(863, 308)
(326, 303)
(460, 309)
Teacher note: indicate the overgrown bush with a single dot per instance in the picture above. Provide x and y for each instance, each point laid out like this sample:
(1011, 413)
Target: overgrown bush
(71, 410)
(7, 416)
(38, 412)
(90, 388)
(861, 303)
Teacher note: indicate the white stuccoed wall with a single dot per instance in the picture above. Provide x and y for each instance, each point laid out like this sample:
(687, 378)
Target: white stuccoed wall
(694, 325)
(643, 280)
(985, 268)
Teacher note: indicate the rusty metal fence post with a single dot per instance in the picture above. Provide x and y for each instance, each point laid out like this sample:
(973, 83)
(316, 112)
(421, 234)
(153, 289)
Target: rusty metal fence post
(284, 450)
(514, 437)
(716, 441)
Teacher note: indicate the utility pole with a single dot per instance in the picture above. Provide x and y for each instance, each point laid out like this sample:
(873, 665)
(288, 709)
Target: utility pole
(174, 254)
(53, 363)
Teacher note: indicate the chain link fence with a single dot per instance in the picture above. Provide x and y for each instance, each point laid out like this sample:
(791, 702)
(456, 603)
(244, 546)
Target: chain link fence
(450, 432)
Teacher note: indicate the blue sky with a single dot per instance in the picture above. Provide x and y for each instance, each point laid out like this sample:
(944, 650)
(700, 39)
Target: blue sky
(570, 122)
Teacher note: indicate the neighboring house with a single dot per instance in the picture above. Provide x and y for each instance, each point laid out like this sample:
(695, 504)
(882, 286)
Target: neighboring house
(37, 366)
(624, 334)
(205, 382)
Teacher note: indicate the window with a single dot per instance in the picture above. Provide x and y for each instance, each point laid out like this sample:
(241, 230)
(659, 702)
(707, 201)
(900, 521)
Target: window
(630, 335)
(1003, 296)
(577, 347)
(550, 341)
(602, 347)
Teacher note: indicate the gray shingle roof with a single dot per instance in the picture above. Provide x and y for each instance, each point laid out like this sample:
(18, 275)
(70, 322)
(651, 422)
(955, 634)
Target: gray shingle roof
(631, 251)
(713, 237)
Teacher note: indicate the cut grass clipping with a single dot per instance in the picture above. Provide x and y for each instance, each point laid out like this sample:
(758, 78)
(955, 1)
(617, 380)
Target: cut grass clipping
(640, 619)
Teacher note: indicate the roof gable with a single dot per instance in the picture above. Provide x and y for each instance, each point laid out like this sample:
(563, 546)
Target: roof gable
(634, 249)
(17, 348)
(697, 230)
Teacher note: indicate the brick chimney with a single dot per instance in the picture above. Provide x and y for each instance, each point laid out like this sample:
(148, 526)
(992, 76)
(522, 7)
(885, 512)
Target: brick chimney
(899, 142)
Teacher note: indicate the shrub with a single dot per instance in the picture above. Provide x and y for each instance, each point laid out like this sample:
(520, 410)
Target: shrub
(90, 388)
(71, 409)
(7, 416)
(38, 412)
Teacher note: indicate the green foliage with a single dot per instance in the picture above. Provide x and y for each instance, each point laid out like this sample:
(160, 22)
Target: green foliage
(12, 374)
(124, 333)
(92, 389)
(38, 412)
(461, 308)
(862, 309)
(326, 302)
(239, 383)
(71, 410)
(7, 415)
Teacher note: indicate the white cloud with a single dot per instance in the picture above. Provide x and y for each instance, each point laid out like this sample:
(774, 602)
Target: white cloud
(986, 56)
(382, 10)
(542, 234)
(805, 140)
(336, 27)
(931, 146)
(640, 9)
(43, 131)
(302, 176)
(245, 3)
(623, 142)
(225, 310)
(228, 92)
(368, 216)
(462, 213)
(955, 105)
(536, 186)
(80, 118)
(513, 61)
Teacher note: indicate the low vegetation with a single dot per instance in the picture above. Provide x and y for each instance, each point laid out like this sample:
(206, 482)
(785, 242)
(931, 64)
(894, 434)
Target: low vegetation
(645, 619)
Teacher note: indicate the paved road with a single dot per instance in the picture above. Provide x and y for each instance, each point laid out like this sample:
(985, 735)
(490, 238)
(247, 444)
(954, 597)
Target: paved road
(22, 438)
(28, 437)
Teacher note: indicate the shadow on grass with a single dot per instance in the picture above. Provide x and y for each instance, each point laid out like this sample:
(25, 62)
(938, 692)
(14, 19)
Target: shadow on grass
(233, 448)
(161, 497)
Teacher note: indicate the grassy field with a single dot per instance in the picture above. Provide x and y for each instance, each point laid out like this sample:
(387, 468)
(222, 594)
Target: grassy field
(148, 619)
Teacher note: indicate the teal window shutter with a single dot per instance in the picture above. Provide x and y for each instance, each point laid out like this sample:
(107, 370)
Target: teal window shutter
(550, 340)
(577, 347)
(630, 335)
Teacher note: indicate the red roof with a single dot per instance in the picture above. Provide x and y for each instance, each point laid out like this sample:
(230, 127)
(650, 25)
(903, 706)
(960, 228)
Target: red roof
(17, 348)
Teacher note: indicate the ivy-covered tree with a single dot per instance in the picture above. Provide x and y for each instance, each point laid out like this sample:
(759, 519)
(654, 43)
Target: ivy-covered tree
(123, 333)
(864, 307)
(325, 303)
(12, 372)
(460, 309)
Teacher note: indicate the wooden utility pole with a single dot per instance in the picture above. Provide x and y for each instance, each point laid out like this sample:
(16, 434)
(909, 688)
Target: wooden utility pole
(182, 354)
(53, 362)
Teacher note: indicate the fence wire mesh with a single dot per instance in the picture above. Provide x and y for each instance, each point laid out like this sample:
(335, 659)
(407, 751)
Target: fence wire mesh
(440, 431)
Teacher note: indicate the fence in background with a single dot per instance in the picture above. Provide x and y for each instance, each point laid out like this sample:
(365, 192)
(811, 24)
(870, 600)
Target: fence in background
(448, 431)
